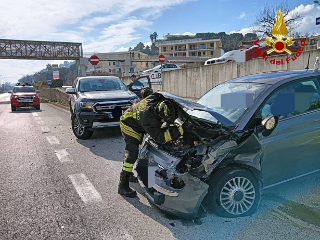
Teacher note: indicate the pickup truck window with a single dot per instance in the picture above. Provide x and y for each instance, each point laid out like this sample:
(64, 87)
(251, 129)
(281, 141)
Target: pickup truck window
(101, 84)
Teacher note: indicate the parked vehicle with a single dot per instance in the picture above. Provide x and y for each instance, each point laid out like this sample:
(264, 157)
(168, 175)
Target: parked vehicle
(165, 67)
(24, 96)
(98, 102)
(227, 57)
(242, 136)
(251, 52)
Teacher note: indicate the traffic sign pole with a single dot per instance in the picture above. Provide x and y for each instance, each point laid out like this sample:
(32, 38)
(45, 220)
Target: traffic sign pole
(162, 59)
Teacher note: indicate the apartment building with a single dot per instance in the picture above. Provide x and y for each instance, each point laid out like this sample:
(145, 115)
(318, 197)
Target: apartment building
(311, 43)
(196, 47)
(122, 63)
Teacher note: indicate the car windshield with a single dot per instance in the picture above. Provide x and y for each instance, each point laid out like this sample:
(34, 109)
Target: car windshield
(23, 89)
(157, 67)
(228, 54)
(101, 84)
(230, 100)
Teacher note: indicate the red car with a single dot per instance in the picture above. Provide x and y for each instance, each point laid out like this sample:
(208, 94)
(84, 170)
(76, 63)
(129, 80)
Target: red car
(24, 96)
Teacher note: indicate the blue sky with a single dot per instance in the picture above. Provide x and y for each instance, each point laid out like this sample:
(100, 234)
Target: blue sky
(115, 25)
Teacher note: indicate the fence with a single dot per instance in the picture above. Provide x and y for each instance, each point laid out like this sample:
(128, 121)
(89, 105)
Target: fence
(194, 82)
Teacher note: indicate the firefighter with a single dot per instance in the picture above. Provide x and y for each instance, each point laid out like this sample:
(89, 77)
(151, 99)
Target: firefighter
(147, 116)
(145, 92)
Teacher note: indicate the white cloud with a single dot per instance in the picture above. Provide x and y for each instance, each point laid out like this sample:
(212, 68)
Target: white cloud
(244, 31)
(242, 15)
(101, 25)
(308, 13)
(185, 34)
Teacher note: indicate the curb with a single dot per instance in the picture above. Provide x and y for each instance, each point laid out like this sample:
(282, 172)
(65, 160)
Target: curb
(296, 221)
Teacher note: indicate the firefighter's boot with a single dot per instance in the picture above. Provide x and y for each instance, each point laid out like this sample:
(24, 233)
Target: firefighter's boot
(123, 188)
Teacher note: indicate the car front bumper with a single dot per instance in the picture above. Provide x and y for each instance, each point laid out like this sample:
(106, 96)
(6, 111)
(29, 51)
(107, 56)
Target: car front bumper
(97, 120)
(16, 103)
(182, 203)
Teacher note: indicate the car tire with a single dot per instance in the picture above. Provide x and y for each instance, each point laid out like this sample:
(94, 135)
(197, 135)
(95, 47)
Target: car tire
(37, 107)
(80, 131)
(13, 108)
(233, 192)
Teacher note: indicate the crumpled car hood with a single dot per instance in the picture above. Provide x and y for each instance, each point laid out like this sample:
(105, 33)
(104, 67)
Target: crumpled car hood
(190, 105)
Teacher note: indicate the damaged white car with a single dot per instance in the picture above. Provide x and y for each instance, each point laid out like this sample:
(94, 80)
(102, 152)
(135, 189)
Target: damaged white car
(248, 133)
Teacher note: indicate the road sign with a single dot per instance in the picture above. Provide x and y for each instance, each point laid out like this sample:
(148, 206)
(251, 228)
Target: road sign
(162, 58)
(94, 60)
(318, 21)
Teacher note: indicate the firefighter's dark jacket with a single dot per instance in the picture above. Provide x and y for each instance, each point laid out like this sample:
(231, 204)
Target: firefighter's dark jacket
(142, 117)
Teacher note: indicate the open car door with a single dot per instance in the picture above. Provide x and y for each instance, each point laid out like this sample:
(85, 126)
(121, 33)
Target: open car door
(138, 84)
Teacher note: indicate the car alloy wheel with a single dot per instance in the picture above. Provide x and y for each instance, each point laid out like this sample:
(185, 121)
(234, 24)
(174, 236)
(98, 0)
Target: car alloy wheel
(237, 195)
(80, 131)
(77, 127)
(233, 192)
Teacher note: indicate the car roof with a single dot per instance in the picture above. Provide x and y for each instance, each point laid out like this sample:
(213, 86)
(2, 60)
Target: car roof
(272, 77)
(98, 77)
(21, 86)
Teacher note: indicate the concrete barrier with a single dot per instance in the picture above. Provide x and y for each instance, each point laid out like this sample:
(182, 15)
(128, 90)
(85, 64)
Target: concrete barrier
(194, 82)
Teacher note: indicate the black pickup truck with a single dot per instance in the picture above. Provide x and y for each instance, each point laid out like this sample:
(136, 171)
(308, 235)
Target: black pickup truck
(98, 102)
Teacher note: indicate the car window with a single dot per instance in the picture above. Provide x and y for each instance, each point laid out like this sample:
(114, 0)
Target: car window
(230, 100)
(23, 89)
(140, 83)
(101, 84)
(292, 99)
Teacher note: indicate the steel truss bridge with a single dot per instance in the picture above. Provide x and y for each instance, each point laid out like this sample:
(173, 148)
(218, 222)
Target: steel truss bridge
(40, 50)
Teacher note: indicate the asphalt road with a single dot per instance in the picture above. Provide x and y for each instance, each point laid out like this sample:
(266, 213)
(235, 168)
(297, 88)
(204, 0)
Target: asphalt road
(54, 186)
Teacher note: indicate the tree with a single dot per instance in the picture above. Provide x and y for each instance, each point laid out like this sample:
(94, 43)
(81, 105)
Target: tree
(139, 47)
(155, 36)
(151, 37)
(267, 16)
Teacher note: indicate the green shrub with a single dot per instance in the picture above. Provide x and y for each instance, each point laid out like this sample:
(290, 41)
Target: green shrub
(57, 83)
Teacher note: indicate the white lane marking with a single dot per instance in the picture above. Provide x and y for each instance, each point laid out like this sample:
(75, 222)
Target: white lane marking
(35, 114)
(290, 179)
(45, 129)
(41, 122)
(63, 155)
(53, 140)
(84, 188)
(37, 118)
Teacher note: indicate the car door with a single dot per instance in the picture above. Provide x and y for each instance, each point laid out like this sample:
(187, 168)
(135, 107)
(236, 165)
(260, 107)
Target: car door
(293, 147)
(140, 83)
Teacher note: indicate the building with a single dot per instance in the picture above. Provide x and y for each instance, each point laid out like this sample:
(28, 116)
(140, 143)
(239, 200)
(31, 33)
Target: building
(193, 47)
(311, 43)
(121, 63)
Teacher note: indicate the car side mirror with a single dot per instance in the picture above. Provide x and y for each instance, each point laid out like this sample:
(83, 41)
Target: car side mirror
(37, 91)
(270, 122)
(71, 90)
(9, 91)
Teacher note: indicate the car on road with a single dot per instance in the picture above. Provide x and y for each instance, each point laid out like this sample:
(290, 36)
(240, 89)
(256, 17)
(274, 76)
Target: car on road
(227, 57)
(97, 102)
(245, 135)
(165, 67)
(24, 96)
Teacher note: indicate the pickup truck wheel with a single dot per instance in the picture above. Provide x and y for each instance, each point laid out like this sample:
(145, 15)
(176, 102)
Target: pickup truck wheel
(234, 192)
(37, 107)
(80, 131)
(13, 108)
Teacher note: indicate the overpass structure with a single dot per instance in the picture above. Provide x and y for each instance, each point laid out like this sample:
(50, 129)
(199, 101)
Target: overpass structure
(40, 50)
